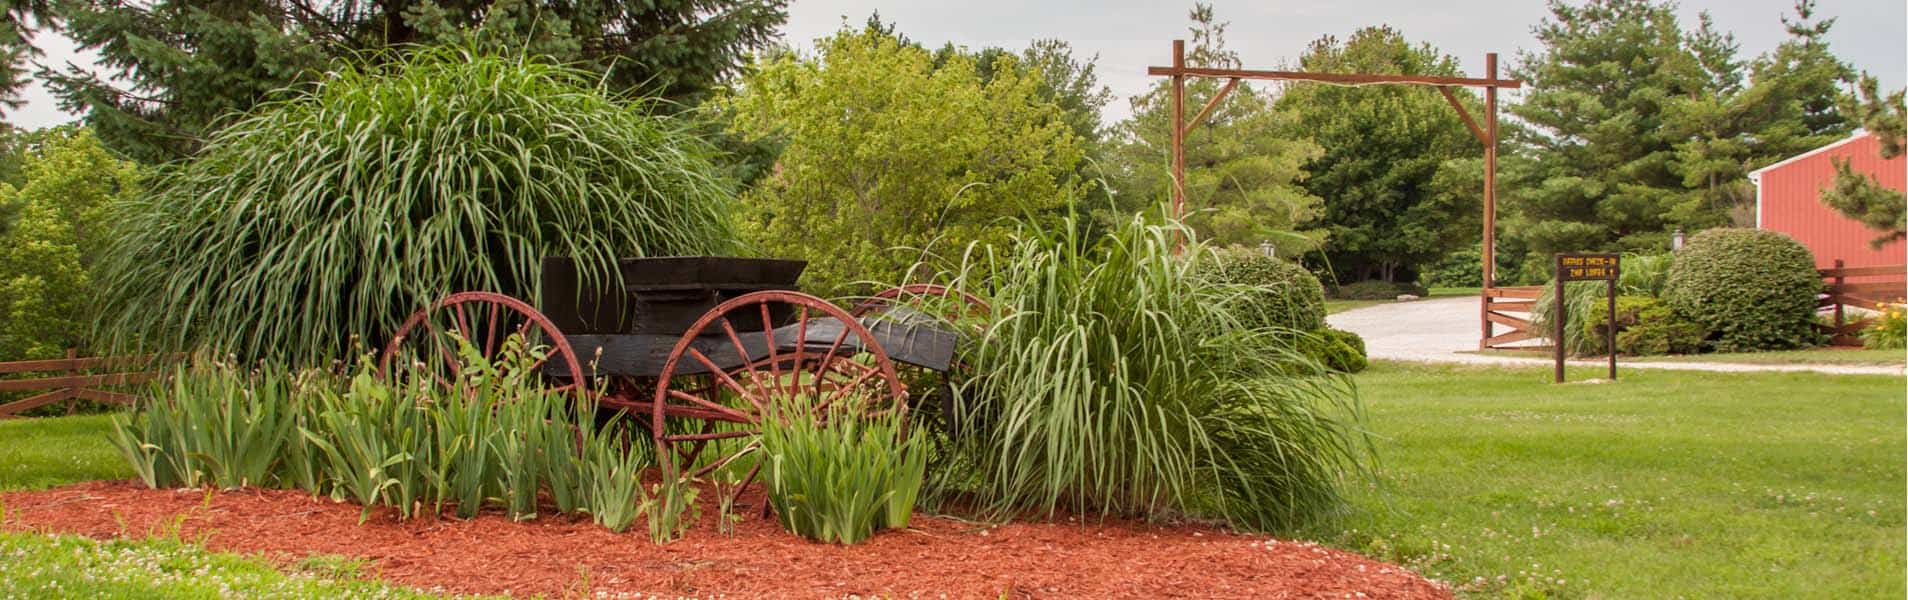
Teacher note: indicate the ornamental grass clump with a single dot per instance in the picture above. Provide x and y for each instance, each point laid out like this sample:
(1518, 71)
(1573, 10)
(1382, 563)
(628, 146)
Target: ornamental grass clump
(839, 476)
(360, 198)
(1114, 379)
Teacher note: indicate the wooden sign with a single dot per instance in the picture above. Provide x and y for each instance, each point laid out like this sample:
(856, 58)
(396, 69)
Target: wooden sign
(1586, 267)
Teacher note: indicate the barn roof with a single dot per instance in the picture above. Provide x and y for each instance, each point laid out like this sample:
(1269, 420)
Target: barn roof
(1859, 134)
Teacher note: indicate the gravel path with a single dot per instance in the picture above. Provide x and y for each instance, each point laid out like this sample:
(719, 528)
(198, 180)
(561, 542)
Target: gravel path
(1444, 330)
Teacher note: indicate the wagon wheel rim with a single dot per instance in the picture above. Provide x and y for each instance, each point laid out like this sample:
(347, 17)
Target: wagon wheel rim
(485, 321)
(763, 372)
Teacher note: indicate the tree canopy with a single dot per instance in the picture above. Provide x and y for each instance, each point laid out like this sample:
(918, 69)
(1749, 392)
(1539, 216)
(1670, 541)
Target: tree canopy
(1634, 126)
(187, 64)
(886, 151)
(1244, 169)
(55, 239)
(1385, 152)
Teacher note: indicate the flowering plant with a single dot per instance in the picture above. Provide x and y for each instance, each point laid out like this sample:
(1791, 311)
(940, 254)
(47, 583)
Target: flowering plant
(1889, 329)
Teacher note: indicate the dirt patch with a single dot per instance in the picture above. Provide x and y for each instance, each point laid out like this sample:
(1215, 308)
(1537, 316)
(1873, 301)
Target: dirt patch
(567, 557)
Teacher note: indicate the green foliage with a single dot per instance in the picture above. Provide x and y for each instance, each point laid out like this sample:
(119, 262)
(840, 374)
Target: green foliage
(1637, 126)
(1397, 166)
(1105, 373)
(206, 63)
(339, 211)
(53, 238)
(164, 566)
(1244, 172)
(496, 437)
(1644, 274)
(1645, 326)
(1754, 289)
(1377, 290)
(1580, 297)
(1890, 329)
(1858, 195)
(927, 157)
(1336, 349)
(838, 477)
(1283, 294)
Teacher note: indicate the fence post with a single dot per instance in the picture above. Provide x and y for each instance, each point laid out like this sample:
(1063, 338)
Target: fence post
(72, 400)
(1835, 291)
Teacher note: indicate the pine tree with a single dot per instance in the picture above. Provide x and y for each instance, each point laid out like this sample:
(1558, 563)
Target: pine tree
(1859, 196)
(187, 64)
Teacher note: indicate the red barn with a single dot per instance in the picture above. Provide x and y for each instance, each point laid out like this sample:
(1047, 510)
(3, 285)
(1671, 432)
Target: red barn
(1789, 200)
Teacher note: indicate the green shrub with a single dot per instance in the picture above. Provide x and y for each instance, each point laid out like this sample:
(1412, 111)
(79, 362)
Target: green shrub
(1645, 326)
(1644, 274)
(1754, 290)
(1336, 349)
(361, 198)
(1660, 330)
(1376, 290)
(1580, 297)
(210, 425)
(837, 477)
(1097, 383)
(1461, 268)
(1283, 293)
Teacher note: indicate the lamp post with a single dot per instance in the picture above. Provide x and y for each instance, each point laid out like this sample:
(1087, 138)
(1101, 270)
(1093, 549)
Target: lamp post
(1267, 248)
(1676, 240)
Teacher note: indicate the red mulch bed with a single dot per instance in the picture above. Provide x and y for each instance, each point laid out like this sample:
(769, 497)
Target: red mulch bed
(564, 556)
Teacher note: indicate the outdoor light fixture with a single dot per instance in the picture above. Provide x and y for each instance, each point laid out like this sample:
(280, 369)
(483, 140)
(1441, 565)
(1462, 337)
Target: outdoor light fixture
(1676, 240)
(1267, 248)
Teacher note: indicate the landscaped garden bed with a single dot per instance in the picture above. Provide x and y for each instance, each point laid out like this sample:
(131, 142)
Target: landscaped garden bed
(565, 556)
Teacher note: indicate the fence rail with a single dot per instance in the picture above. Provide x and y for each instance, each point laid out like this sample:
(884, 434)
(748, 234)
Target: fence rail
(73, 378)
(1499, 304)
(1839, 293)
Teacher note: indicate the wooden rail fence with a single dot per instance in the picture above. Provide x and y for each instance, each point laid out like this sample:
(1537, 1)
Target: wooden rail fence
(1862, 287)
(1510, 308)
(72, 379)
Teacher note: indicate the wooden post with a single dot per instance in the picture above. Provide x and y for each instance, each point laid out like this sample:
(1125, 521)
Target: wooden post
(1490, 201)
(1835, 289)
(1558, 313)
(72, 355)
(1179, 134)
(1609, 325)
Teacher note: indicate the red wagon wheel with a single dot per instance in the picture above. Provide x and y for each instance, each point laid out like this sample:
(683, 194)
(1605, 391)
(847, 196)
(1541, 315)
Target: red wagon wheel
(729, 370)
(484, 320)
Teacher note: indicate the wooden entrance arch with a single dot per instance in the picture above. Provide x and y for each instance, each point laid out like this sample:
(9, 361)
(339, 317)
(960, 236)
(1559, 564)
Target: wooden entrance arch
(1486, 134)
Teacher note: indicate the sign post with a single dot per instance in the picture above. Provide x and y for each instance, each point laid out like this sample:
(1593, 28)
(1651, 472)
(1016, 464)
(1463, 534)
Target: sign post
(1586, 267)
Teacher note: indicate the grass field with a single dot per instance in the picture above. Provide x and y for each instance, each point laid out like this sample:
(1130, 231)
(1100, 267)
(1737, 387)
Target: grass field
(1664, 485)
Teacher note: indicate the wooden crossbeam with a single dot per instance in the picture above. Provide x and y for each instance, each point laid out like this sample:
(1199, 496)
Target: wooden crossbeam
(1341, 78)
(1515, 336)
(1885, 270)
(73, 381)
(1504, 319)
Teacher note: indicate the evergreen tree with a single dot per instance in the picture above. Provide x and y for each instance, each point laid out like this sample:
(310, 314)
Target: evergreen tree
(1858, 195)
(1382, 148)
(1636, 127)
(1244, 171)
(186, 64)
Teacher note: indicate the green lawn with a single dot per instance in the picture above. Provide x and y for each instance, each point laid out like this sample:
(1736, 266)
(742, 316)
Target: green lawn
(1666, 484)
(1814, 356)
(1333, 306)
(45, 452)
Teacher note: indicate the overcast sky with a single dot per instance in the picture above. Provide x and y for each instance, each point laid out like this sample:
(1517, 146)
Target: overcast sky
(1129, 35)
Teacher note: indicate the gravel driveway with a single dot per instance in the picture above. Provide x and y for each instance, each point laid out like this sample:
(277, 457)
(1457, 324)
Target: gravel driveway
(1444, 330)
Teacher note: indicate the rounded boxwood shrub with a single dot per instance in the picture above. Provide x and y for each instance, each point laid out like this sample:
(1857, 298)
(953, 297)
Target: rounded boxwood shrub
(1336, 349)
(1753, 289)
(1287, 295)
(1644, 325)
